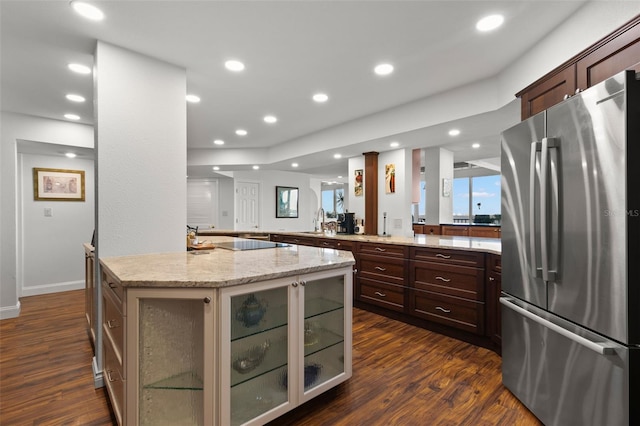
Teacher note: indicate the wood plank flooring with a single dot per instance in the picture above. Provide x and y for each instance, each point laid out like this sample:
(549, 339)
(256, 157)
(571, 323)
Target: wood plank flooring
(403, 375)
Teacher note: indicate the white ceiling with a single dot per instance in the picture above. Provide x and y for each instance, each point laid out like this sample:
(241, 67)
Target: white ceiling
(291, 49)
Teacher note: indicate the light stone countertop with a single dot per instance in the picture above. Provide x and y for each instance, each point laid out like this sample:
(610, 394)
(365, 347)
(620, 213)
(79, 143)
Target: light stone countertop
(222, 268)
(487, 245)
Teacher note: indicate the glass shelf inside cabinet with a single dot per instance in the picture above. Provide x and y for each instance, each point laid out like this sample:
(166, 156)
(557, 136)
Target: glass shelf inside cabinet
(186, 381)
(318, 306)
(255, 313)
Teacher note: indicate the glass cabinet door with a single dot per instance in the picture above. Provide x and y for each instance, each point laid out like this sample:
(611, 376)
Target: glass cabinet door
(174, 357)
(326, 331)
(255, 365)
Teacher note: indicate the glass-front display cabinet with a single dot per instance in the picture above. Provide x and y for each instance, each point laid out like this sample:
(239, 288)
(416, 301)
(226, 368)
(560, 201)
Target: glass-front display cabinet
(172, 357)
(282, 342)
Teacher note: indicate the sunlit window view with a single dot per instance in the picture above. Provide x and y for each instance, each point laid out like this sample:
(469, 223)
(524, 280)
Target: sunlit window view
(333, 201)
(476, 199)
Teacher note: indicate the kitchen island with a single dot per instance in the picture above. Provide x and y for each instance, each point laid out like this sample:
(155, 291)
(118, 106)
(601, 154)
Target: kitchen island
(224, 336)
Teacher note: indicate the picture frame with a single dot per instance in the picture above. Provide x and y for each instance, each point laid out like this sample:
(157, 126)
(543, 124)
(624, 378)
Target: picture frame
(58, 184)
(446, 187)
(287, 199)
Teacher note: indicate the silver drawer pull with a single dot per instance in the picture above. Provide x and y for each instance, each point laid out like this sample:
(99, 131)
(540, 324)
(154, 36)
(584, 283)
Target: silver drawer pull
(325, 243)
(442, 279)
(380, 249)
(380, 268)
(491, 279)
(380, 294)
(112, 324)
(440, 308)
(444, 256)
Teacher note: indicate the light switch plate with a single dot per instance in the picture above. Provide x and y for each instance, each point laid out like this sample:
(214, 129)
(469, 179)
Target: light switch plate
(48, 212)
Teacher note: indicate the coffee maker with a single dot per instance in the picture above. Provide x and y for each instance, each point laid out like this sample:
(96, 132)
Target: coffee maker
(346, 223)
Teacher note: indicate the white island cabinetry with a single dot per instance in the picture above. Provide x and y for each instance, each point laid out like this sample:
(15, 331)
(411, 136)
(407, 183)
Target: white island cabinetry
(208, 343)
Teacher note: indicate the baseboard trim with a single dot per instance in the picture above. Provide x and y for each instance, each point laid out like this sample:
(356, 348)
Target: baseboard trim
(98, 379)
(7, 312)
(52, 288)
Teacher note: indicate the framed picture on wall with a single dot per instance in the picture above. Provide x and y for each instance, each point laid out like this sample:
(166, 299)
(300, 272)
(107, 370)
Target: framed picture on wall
(286, 202)
(58, 184)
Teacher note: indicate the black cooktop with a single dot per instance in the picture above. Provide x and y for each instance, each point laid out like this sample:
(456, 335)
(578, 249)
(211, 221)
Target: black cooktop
(240, 245)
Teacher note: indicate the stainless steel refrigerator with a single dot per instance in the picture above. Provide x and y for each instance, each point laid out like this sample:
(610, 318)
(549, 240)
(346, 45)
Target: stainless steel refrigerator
(571, 258)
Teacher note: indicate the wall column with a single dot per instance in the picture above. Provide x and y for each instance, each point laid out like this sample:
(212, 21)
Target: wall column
(141, 159)
(370, 193)
(438, 166)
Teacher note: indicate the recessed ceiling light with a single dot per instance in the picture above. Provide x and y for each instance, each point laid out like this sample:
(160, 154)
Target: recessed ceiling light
(70, 155)
(218, 142)
(72, 116)
(87, 10)
(294, 164)
(79, 68)
(234, 65)
(241, 132)
(337, 155)
(454, 132)
(394, 144)
(383, 69)
(270, 119)
(475, 145)
(216, 168)
(320, 97)
(256, 167)
(489, 23)
(194, 99)
(75, 98)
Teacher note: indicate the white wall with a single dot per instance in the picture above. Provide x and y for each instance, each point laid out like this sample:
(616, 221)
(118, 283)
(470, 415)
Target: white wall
(51, 247)
(15, 127)
(398, 204)
(269, 179)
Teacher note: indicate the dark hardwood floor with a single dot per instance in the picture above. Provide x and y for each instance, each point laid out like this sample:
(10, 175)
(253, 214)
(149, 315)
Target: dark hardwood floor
(402, 375)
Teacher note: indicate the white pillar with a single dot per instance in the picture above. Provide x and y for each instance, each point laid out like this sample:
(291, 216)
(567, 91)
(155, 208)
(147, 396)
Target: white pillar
(141, 153)
(438, 167)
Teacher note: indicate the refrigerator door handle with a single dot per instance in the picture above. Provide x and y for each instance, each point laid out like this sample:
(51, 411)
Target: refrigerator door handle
(546, 221)
(536, 147)
(600, 347)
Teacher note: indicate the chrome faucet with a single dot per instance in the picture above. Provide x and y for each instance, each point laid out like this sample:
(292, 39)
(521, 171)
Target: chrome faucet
(319, 219)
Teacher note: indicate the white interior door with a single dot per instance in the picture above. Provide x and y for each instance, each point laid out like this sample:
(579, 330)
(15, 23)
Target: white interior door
(247, 206)
(202, 203)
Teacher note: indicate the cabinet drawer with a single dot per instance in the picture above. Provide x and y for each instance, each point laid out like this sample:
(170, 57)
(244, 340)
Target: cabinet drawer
(460, 281)
(494, 262)
(113, 323)
(115, 286)
(380, 268)
(387, 250)
(452, 257)
(455, 312)
(113, 379)
(381, 294)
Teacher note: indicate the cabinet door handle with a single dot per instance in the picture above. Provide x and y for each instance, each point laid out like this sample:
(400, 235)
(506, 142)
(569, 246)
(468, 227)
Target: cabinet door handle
(380, 249)
(325, 243)
(444, 256)
(112, 324)
(491, 279)
(380, 294)
(303, 283)
(295, 284)
(442, 279)
(440, 308)
(111, 379)
(207, 300)
(380, 268)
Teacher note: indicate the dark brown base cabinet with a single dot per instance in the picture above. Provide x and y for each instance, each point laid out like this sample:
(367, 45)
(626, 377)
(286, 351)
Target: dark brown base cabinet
(449, 291)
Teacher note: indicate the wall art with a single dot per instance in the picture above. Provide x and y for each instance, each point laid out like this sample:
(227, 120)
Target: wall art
(357, 185)
(390, 178)
(58, 185)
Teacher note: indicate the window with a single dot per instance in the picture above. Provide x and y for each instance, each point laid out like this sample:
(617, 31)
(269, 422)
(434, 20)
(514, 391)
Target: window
(476, 198)
(333, 201)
